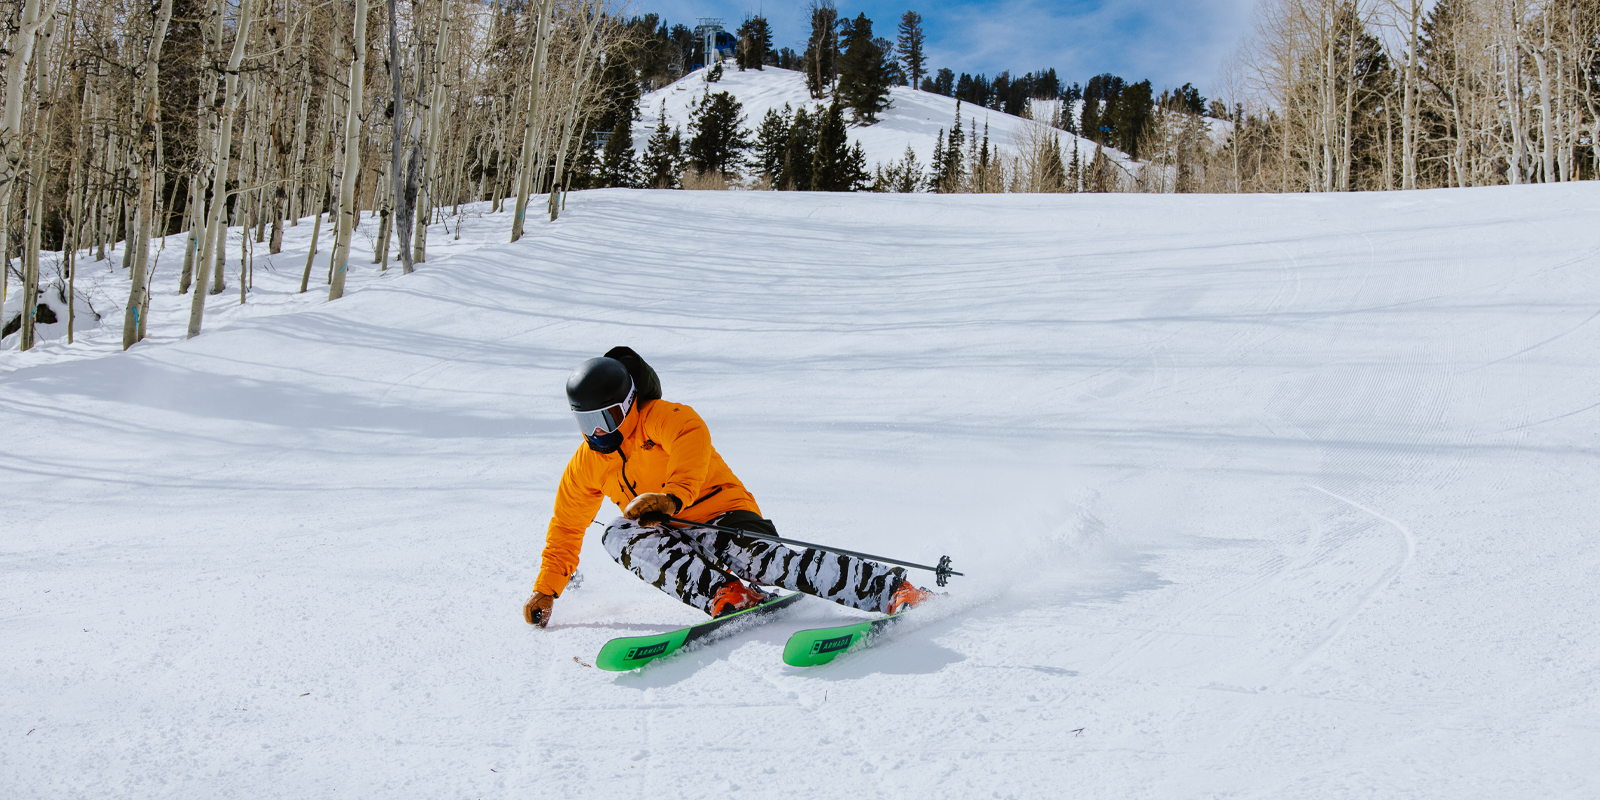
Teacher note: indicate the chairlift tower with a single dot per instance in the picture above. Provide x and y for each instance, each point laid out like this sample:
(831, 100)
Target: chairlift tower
(706, 31)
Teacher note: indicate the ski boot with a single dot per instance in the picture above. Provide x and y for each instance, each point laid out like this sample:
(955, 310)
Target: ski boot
(734, 597)
(907, 596)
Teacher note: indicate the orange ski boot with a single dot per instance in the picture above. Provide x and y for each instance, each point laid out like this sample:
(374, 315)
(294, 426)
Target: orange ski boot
(734, 597)
(907, 596)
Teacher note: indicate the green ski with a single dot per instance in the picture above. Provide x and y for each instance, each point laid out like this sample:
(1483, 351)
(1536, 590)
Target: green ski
(810, 648)
(632, 652)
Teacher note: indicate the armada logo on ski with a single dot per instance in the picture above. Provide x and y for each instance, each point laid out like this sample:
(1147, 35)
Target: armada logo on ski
(648, 652)
(831, 645)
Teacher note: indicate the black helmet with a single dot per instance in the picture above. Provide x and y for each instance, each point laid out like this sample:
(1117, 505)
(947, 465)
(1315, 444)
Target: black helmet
(597, 383)
(602, 395)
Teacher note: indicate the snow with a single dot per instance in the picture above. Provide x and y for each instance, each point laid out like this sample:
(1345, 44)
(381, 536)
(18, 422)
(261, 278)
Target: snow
(914, 117)
(1257, 496)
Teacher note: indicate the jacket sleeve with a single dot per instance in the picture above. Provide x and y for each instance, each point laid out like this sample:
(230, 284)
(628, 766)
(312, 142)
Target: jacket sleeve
(691, 452)
(577, 500)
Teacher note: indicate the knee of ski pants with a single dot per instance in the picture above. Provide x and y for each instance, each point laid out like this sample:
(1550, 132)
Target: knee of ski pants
(617, 537)
(623, 535)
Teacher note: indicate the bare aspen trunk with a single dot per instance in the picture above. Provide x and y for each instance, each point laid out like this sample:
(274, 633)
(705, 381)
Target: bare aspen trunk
(297, 161)
(332, 136)
(138, 294)
(196, 214)
(43, 108)
(402, 170)
(583, 73)
(224, 137)
(1329, 103)
(380, 248)
(1541, 59)
(432, 164)
(35, 14)
(1408, 119)
(1513, 87)
(352, 144)
(1348, 134)
(527, 167)
(78, 185)
(316, 229)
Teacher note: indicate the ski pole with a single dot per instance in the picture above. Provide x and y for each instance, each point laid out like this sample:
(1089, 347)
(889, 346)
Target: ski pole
(941, 573)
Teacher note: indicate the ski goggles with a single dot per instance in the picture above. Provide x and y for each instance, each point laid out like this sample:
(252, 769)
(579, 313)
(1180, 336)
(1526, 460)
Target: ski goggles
(602, 421)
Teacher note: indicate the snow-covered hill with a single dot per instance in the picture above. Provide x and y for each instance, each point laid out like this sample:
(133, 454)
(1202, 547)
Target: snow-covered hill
(914, 117)
(1257, 496)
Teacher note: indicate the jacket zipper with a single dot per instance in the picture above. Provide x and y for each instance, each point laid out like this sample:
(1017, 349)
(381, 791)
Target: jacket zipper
(626, 484)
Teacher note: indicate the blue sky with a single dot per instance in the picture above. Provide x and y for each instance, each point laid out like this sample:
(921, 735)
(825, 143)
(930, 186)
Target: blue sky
(1170, 43)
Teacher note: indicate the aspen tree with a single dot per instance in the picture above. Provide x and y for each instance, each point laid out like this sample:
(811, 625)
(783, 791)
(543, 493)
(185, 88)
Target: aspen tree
(224, 137)
(148, 112)
(316, 219)
(527, 166)
(432, 163)
(385, 212)
(582, 75)
(297, 160)
(1408, 111)
(1547, 133)
(44, 106)
(35, 14)
(78, 186)
(403, 153)
(332, 135)
(352, 144)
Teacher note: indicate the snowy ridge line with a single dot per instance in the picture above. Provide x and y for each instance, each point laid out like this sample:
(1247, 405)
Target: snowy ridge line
(914, 117)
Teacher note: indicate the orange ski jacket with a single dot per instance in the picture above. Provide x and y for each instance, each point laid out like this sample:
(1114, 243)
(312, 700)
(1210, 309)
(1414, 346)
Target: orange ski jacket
(665, 448)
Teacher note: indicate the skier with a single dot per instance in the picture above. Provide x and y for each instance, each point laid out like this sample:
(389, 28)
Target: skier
(652, 457)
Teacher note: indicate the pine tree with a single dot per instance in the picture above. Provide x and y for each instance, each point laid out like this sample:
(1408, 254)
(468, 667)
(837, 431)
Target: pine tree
(618, 166)
(864, 73)
(856, 178)
(912, 61)
(755, 43)
(1075, 170)
(953, 171)
(822, 49)
(663, 156)
(911, 172)
(830, 171)
(772, 142)
(717, 137)
(937, 164)
(798, 157)
(901, 176)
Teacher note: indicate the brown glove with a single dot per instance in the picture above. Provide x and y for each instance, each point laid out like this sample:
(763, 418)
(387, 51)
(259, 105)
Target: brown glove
(537, 610)
(651, 503)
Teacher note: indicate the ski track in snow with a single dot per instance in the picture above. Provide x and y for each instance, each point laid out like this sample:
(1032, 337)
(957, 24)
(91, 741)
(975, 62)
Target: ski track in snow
(1259, 496)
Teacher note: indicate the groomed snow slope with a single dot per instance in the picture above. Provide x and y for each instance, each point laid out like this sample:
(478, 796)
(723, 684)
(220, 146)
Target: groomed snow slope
(1257, 496)
(914, 117)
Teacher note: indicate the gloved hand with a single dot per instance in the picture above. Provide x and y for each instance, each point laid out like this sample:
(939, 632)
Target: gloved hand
(651, 503)
(537, 610)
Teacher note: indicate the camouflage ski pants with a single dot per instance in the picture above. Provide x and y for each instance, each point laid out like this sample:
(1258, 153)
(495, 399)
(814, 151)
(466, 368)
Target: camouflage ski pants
(692, 563)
